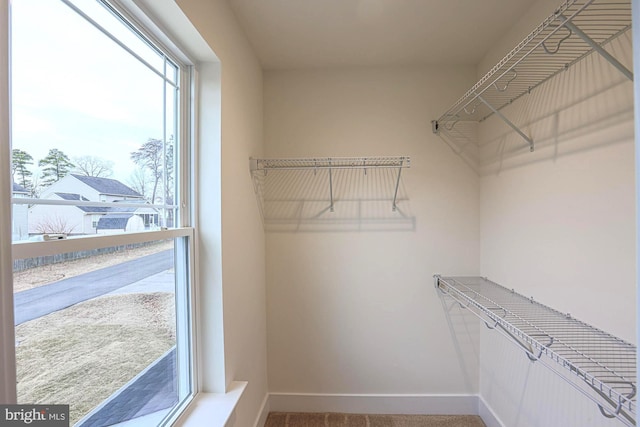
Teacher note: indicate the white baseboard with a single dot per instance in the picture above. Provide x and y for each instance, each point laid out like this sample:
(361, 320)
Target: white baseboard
(487, 414)
(411, 404)
(263, 413)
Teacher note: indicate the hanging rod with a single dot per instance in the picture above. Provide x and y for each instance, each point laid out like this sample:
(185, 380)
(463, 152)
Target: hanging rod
(574, 30)
(571, 348)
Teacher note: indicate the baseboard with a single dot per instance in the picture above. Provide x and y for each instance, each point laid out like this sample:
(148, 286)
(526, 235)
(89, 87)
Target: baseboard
(487, 414)
(412, 404)
(263, 413)
(409, 404)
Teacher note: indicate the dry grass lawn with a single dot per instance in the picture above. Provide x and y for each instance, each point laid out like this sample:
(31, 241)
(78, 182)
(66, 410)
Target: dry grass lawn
(81, 355)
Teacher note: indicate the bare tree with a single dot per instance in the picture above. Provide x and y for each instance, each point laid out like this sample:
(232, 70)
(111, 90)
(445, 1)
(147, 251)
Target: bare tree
(150, 155)
(93, 166)
(36, 186)
(54, 224)
(139, 180)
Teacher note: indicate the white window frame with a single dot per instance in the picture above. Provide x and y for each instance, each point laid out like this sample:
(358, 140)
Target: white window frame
(7, 331)
(183, 231)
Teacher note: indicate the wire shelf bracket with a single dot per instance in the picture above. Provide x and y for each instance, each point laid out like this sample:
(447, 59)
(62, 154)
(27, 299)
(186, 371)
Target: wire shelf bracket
(532, 62)
(597, 364)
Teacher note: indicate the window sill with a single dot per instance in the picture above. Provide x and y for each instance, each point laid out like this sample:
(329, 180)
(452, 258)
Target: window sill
(212, 409)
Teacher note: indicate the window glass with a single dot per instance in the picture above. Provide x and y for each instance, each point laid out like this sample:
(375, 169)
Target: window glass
(97, 330)
(91, 122)
(102, 316)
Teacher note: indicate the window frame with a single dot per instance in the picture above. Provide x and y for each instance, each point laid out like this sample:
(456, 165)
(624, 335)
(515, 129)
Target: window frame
(183, 230)
(7, 330)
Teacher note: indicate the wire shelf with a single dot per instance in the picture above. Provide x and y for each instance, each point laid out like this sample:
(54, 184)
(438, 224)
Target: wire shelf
(570, 347)
(571, 32)
(283, 184)
(330, 163)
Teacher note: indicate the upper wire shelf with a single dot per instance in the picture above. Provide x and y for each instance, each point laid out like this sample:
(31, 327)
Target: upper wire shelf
(605, 364)
(330, 163)
(571, 32)
(327, 169)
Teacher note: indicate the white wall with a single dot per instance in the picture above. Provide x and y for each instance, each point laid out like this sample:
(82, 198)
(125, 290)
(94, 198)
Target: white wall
(240, 284)
(68, 219)
(559, 224)
(354, 312)
(72, 185)
(19, 222)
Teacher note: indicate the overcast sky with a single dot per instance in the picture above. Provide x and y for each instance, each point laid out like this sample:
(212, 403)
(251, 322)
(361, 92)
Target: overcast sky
(74, 89)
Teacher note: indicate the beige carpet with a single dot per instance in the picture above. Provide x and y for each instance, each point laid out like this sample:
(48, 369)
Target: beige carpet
(293, 419)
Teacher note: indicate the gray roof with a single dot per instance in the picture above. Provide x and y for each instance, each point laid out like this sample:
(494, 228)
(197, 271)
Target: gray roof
(109, 186)
(96, 209)
(106, 209)
(71, 196)
(113, 222)
(17, 188)
(93, 209)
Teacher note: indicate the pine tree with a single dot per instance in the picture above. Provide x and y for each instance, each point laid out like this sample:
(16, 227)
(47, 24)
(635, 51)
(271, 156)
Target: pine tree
(19, 161)
(55, 166)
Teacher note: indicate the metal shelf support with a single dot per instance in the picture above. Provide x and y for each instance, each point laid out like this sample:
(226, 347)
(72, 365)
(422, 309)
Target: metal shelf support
(395, 193)
(331, 208)
(508, 122)
(596, 47)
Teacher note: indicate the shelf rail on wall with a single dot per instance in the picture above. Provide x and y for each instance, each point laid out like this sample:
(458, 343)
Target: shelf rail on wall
(573, 31)
(606, 365)
(331, 164)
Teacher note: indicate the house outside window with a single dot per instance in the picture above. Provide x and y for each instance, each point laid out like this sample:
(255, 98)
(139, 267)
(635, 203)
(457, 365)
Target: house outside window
(20, 226)
(104, 217)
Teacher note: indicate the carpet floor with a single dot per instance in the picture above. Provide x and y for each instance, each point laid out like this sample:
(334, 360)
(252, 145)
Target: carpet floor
(295, 419)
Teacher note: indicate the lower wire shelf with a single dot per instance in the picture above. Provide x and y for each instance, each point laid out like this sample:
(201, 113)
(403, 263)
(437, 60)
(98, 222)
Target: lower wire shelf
(604, 365)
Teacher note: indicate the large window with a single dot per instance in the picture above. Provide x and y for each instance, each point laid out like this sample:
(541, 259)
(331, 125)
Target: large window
(102, 237)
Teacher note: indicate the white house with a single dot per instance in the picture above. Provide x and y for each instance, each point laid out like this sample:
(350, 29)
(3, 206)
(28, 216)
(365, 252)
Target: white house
(72, 219)
(93, 188)
(119, 223)
(19, 222)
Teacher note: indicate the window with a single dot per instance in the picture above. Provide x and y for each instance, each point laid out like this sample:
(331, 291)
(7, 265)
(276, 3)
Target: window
(101, 140)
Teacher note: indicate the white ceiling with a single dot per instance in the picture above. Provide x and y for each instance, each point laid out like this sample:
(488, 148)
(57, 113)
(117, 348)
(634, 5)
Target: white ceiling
(325, 33)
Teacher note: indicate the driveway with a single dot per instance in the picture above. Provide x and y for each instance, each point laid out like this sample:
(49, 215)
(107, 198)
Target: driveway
(37, 302)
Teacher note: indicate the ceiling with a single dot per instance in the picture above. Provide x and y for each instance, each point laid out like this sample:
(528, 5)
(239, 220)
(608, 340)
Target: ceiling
(324, 33)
